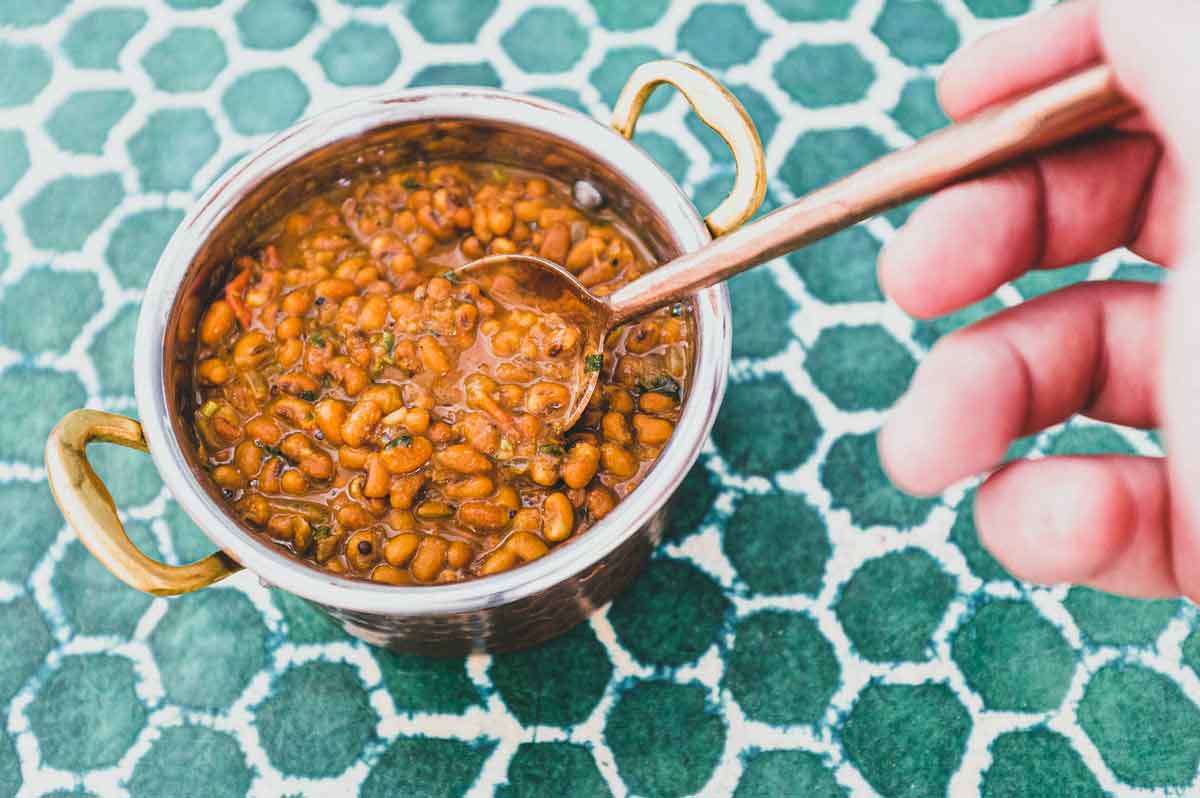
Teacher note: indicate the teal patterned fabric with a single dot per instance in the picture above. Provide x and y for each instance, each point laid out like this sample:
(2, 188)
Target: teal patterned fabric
(805, 630)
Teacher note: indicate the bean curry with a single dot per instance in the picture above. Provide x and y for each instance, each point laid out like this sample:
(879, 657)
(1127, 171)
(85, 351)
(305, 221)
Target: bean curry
(383, 418)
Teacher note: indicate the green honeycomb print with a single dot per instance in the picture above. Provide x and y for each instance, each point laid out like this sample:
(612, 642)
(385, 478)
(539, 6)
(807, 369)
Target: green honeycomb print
(804, 630)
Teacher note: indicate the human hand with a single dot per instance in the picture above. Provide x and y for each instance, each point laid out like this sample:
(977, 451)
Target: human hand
(1122, 352)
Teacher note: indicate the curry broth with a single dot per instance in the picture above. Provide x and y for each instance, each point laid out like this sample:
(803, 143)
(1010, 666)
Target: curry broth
(380, 417)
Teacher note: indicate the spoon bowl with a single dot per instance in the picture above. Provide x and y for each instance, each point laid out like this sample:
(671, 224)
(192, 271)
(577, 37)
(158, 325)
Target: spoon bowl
(538, 284)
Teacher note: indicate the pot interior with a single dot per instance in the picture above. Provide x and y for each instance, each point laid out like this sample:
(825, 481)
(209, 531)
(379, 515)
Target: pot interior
(375, 149)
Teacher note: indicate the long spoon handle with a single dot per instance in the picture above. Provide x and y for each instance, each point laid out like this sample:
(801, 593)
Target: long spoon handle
(1083, 102)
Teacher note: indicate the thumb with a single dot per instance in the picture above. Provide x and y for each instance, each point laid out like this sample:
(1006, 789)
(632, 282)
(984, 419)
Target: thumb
(1151, 46)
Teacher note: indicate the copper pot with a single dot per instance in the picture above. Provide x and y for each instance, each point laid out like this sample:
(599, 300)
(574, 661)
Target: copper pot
(506, 611)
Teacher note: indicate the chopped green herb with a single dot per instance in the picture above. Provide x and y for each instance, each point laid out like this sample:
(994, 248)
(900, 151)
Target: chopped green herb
(209, 409)
(411, 183)
(593, 362)
(389, 341)
(677, 309)
(399, 440)
(317, 339)
(274, 451)
(452, 277)
(309, 396)
(499, 175)
(320, 533)
(663, 384)
(506, 446)
(551, 449)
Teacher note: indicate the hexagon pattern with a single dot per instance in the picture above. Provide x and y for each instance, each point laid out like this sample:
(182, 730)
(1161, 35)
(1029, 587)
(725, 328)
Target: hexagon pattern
(804, 629)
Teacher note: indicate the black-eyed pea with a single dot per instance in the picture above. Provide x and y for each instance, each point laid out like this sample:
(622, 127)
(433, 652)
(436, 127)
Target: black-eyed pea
(558, 517)
(289, 352)
(459, 555)
(432, 510)
(543, 470)
(401, 520)
(335, 288)
(546, 397)
(389, 575)
(254, 509)
(297, 303)
(416, 420)
(429, 559)
(360, 423)
(279, 526)
(227, 477)
(295, 411)
(270, 475)
(353, 458)
(378, 482)
(506, 342)
(511, 396)
(489, 327)
(500, 220)
(406, 453)
(331, 414)
(251, 350)
(476, 487)
(289, 328)
(433, 356)
(463, 459)
(652, 431)
(218, 322)
(527, 519)
(642, 337)
(293, 482)
(556, 243)
(528, 210)
(213, 371)
(248, 458)
(334, 566)
(363, 550)
(498, 561)
(388, 397)
(581, 464)
(655, 402)
(507, 496)
(297, 383)
(373, 315)
(600, 502)
(353, 516)
(527, 546)
(400, 549)
(355, 379)
(618, 399)
(584, 254)
(618, 461)
(402, 492)
(302, 535)
(483, 515)
(615, 428)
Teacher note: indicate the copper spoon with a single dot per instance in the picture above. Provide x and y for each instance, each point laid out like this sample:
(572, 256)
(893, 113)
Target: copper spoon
(1078, 104)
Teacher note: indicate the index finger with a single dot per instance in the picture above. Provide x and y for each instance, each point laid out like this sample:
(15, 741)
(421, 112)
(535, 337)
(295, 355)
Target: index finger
(1020, 58)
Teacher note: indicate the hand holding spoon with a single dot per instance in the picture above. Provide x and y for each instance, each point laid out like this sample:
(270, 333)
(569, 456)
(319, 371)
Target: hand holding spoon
(1078, 104)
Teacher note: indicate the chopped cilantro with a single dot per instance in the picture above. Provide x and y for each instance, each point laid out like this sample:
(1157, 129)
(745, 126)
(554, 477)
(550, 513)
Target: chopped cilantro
(389, 341)
(317, 339)
(593, 362)
(209, 409)
(451, 277)
(663, 384)
(677, 309)
(320, 533)
(552, 449)
(309, 396)
(399, 440)
(411, 183)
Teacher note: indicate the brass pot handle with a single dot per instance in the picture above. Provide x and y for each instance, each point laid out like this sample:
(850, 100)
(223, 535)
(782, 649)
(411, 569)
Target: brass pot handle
(89, 508)
(718, 109)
